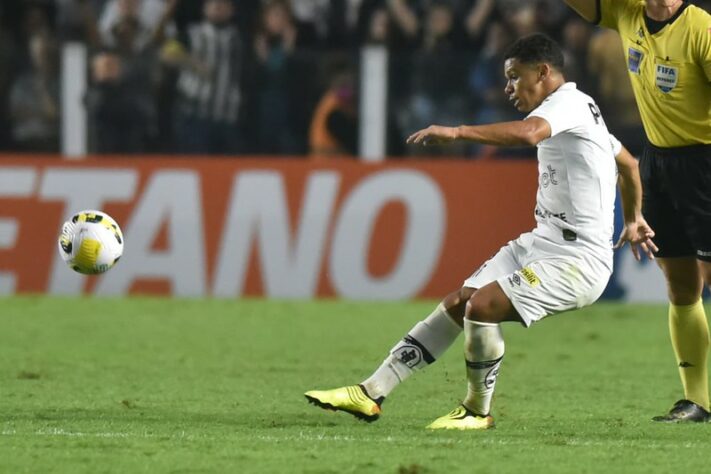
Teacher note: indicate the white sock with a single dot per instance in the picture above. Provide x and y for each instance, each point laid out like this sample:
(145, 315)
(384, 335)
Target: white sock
(424, 344)
(483, 350)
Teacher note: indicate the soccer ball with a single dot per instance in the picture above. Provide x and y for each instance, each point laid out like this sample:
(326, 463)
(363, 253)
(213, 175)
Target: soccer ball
(91, 242)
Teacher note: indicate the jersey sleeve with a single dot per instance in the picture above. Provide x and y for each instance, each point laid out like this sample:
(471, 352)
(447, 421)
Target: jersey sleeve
(557, 113)
(612, 10)
(616, 145)
(703, 45)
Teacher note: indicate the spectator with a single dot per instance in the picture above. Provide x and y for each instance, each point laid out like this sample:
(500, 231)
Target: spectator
(485, 81)
(7, 69)
(551, 16)
(123, 94)
(272, 50)
(393, 23)
(439, 30)
(476, 20)
(326, 24)
(121, 99)
(189, 12)
(436, 97)
(407, 20)
(576, 40)
(378, 30)
(522, 20)
(34, 95)
(341, 23)
(311, 20)
(210, 58)
(273, 47)
(150, 15)
(334, 126)
(76, 20)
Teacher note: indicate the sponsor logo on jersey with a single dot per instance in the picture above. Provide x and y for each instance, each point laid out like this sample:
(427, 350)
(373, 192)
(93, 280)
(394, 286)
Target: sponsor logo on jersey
(634, 59)
(548, 177)
(514, 280)
(530, 277)
(546, 214)
(640, 32)
(666, 77)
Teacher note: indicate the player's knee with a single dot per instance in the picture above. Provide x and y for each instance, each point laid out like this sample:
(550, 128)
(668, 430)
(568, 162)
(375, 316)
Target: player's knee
(706, 272)
(685, 281)
(455, 302)
(482, 309)
(684, 293)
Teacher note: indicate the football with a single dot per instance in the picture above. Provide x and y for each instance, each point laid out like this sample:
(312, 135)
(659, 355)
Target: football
(91, 242)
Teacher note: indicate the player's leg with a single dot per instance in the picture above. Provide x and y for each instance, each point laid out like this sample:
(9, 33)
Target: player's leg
(705, 269)
(420, 347)
(484, 344)
(689, 333)
(548, 282)
(675, 185)
(484, 351)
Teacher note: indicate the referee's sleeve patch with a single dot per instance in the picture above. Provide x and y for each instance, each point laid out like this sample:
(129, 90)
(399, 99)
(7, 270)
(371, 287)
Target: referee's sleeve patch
(634, 59)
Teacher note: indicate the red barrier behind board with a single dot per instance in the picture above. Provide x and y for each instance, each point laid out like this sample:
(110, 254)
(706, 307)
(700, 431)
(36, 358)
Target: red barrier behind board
(269, 227)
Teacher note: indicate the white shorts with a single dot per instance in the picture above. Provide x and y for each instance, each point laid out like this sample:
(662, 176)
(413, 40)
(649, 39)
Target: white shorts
(541, 277)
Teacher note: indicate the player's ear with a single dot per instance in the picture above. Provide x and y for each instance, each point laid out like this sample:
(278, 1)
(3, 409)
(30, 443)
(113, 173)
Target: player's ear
(544, 70)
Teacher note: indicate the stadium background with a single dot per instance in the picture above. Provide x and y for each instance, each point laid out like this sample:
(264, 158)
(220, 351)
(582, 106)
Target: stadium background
(266, 224)
(94, 112)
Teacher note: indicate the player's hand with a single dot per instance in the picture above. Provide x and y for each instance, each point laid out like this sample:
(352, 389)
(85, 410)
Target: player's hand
(639, 235)
(433, 135)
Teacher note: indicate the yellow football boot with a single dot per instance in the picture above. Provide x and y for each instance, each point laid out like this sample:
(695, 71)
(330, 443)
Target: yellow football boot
(461, 418)
(352, 399)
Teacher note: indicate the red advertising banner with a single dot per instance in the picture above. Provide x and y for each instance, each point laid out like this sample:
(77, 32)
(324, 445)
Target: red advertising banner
(283, 228)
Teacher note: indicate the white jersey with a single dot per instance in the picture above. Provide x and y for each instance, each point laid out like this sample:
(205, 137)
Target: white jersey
(577, 173)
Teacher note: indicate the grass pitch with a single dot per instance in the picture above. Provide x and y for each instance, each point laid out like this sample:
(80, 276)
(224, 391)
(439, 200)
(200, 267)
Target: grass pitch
(160, 385)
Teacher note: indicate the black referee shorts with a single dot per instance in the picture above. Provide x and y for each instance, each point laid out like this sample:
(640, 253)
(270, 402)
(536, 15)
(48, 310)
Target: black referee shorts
(677, 199)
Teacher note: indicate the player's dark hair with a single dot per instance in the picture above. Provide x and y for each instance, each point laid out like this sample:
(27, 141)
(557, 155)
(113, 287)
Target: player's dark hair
(536, 48)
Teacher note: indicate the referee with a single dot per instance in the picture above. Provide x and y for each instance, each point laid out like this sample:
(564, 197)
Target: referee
(667, 44)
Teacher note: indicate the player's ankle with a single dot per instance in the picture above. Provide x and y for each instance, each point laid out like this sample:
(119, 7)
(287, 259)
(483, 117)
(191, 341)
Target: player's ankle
(378, 400)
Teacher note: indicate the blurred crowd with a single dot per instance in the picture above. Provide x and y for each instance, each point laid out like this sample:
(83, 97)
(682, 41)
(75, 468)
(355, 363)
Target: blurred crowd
(282, 77)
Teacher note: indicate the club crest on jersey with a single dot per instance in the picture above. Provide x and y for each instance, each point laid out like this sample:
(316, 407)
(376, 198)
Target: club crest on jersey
(666, 77)
(634, 59)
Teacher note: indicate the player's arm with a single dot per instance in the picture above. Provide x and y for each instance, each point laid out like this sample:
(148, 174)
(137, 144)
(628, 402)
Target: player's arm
(527, 132)
(636, 231)
(588, 9)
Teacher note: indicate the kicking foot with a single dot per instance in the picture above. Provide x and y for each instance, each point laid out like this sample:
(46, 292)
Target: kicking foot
(352, 399)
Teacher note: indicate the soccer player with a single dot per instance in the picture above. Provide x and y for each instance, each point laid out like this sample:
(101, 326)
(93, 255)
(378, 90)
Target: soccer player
(667, 44)
(563, 264)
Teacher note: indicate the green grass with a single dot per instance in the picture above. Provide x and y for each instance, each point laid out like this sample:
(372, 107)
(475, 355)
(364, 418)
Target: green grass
(160, 385)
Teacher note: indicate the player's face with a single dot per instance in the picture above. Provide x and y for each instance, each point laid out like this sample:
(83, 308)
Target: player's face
(524, 84)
